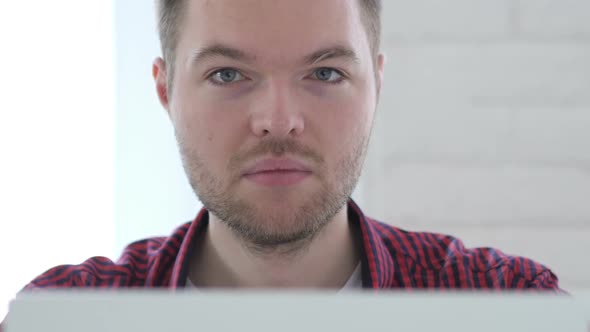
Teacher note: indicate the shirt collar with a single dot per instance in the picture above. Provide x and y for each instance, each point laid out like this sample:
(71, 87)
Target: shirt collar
(376, 261)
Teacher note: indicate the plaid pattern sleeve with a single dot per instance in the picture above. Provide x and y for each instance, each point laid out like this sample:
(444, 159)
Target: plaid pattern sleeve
(395, 258)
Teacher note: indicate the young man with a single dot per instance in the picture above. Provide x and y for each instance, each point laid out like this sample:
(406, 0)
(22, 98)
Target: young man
(273, 102)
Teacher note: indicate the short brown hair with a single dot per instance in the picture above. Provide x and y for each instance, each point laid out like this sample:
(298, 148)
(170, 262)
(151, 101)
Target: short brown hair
(169, 16)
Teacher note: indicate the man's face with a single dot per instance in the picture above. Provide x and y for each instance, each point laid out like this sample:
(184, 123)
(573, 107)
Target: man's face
(272, 105)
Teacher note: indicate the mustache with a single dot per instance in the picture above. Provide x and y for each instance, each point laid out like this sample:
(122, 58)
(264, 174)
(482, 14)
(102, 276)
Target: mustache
(277, 148)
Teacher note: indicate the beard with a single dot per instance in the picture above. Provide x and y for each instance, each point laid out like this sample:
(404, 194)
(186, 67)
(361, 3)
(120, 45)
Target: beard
(288, 221)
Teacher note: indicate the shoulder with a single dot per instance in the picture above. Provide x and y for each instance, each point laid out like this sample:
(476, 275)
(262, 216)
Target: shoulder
(138, 262)
(92, 272)
(445, 258)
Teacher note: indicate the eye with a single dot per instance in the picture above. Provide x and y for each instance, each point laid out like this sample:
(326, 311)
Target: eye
(328, 75)
(226, 76)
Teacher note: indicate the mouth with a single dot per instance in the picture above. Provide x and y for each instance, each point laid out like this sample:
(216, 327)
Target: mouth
(277, 172)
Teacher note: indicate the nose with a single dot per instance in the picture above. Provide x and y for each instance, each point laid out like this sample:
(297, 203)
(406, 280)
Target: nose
(277, 112)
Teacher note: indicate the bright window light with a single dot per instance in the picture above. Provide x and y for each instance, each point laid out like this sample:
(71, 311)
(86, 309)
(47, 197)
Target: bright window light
(56, 137)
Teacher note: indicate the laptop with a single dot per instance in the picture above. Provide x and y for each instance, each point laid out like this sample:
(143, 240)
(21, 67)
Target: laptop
(284, 311)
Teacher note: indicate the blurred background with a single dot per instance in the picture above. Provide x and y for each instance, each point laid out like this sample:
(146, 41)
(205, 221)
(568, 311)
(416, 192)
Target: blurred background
(483, 131)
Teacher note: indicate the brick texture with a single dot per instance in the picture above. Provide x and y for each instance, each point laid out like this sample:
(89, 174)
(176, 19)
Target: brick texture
(483, 129)
(558, 19)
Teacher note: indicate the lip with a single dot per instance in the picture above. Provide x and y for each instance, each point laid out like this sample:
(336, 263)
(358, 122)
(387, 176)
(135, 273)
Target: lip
(277, 172)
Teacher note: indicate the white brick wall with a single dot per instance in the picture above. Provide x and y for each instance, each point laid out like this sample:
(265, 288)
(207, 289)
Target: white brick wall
(555, 18)
(449, 19)
(483, 129)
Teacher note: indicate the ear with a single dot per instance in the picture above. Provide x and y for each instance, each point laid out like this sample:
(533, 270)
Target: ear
(161, 79)
(379, 69)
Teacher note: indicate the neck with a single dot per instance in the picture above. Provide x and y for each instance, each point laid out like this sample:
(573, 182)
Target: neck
(327, 260)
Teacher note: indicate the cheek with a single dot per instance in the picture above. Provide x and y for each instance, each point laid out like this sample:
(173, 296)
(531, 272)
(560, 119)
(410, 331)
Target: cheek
(341, 119)
(211, 129)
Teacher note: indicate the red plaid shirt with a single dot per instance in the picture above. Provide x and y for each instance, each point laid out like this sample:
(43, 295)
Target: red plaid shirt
(390, 258)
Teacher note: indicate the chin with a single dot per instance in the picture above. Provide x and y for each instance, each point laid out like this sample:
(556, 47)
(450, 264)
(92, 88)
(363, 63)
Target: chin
(277, 206)
(277, 196)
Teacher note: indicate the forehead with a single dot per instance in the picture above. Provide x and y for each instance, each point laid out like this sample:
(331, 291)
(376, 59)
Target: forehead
(273, 29)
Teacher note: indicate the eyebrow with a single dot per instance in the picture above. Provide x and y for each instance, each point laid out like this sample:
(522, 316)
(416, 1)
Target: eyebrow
(220, 50)
(331, 53)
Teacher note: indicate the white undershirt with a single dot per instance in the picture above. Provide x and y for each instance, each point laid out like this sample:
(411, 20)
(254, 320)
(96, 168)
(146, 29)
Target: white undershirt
(354, 282)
